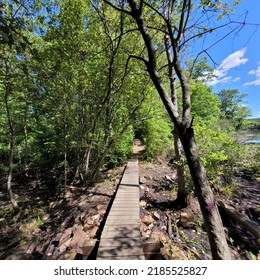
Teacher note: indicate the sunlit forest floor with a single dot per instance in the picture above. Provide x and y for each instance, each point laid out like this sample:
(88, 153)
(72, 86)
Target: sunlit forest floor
(52, 223)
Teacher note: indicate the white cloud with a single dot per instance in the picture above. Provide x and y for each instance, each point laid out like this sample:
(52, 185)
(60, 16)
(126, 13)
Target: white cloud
(256, 73)
(233, 60)
(253, 83)
(236, 79)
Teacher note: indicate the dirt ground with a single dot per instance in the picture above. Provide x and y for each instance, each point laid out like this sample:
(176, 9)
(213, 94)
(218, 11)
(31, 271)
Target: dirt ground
(55, 225)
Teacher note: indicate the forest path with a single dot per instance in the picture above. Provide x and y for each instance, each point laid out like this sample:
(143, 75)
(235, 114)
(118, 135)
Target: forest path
(121, 237)
(138, 149)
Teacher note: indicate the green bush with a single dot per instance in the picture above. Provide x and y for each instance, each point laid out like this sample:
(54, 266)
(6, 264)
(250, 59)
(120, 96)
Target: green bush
(219, 153)
(158, 137)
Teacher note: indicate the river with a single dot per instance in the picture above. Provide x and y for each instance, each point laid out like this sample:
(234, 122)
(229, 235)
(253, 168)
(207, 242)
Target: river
(249, 137)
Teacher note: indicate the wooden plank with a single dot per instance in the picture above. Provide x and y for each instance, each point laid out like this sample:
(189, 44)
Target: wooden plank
(131, 176)
(117, 222)
(129, 207)
(120, 251)
(123, 231)
(121, 237)
(124, 212)
(106, 242)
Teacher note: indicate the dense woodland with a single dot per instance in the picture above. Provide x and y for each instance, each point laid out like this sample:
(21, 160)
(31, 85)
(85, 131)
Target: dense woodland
(81, 79)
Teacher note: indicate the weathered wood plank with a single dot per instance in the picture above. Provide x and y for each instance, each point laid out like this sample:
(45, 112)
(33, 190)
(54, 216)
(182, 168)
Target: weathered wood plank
(106, 242)
(121, 237)
(131, 174)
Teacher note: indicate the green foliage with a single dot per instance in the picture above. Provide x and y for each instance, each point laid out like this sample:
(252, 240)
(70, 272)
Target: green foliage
(205, 107)
(70, 95)
(232, 107)
(219, 153)
(250, 159)
(123, 147)
(252, 124)
(158, 137)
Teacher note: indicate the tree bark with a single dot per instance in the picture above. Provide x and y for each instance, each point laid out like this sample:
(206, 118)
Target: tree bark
(208, 205)
(11, 147)
(182, 194)
(212, 220)
(10, 176)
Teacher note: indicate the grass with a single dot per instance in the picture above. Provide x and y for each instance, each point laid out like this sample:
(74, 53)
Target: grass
(229, 190)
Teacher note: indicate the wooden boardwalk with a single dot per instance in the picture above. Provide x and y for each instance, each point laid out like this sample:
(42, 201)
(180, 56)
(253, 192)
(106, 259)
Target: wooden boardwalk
(121, 239)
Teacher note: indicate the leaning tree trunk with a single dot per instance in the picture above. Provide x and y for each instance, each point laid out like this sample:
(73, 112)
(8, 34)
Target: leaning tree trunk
(212, 220)
(208, 205)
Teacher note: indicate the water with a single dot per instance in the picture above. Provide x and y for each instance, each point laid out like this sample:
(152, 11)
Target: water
(252, 137)
(251, 141)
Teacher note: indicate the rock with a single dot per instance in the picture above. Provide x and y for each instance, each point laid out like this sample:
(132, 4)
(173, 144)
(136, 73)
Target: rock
(143, 227)
(172, 252)
(68, 195)
(99, 207)
(63, 247)
(102, 212)
(168, 178)
(156, 216)
(68, 255)
(90, 221)
(96, 217)
(66, 235)
(79, 235)
(144, 188)
(93, 231)
(142, 180)
(174, 176)
(88, 246)
(151, 226)
(147, 220)
(156, 235)
(83, 204)
(72, 188)
(186, 220)
(145, 234)
(46, 217)
(143, 203)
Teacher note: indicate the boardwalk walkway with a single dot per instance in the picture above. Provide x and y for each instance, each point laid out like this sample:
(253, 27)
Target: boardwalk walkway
(121, 238)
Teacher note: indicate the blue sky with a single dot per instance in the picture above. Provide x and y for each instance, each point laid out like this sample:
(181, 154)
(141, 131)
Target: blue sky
(238, 57)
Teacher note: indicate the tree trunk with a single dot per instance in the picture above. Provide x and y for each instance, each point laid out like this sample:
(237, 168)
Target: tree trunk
(11, 149)
(208, 205)
(10, 175)
(182, 194)
(212, 220)
(85, 165)
(26, 142)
